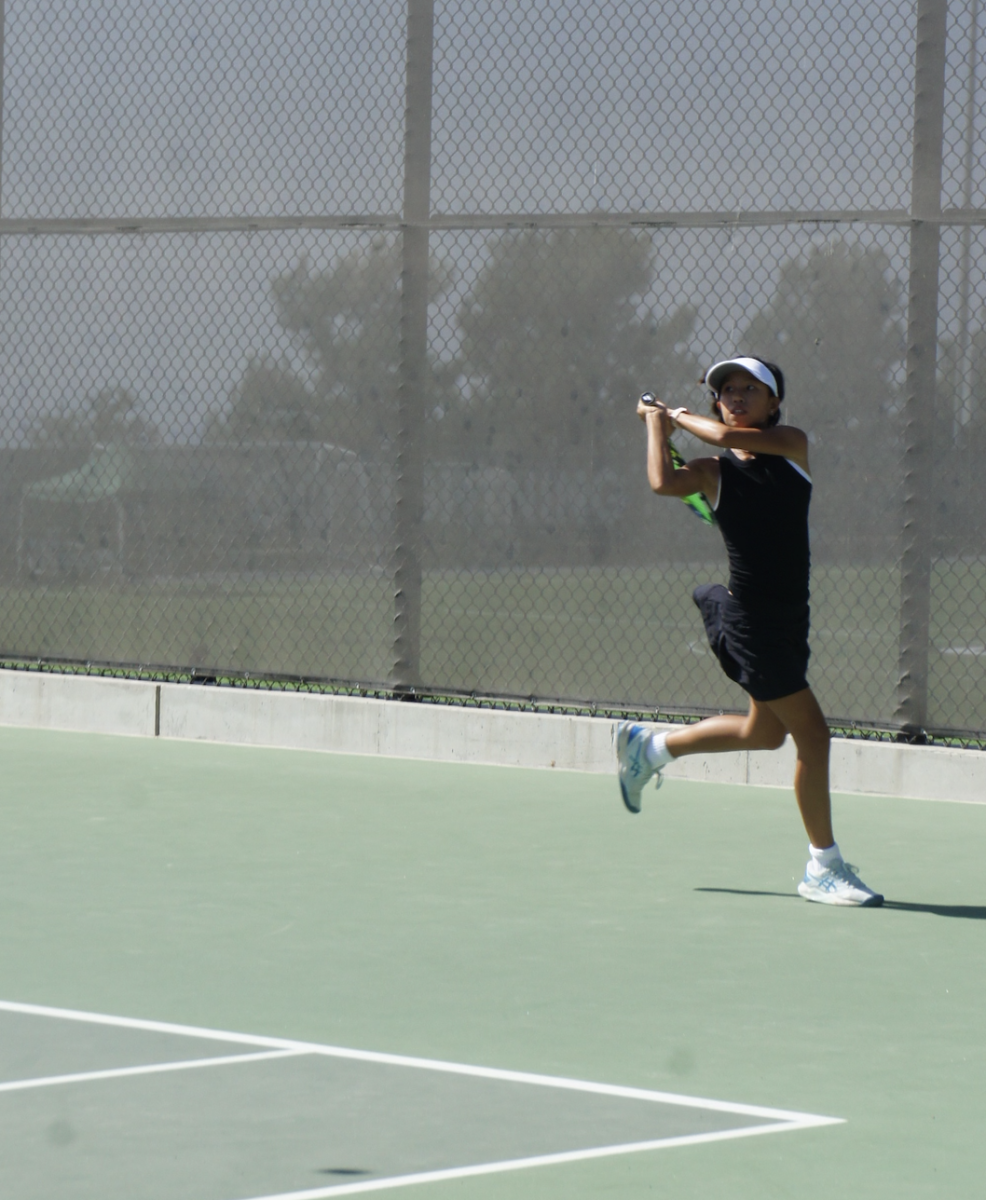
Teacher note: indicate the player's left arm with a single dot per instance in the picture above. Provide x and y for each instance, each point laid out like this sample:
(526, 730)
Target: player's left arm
(784, 440)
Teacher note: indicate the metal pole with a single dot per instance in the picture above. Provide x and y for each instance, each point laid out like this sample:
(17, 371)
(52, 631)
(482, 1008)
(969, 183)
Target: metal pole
(3, 30)
(922, 343)
(964, 398)
(406, 672)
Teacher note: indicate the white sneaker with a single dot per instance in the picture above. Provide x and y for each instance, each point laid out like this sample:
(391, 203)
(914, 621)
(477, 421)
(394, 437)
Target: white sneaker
(632, 767)
(837, 884)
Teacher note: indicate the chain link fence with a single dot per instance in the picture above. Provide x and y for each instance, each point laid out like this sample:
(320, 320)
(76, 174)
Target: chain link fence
(324, 324)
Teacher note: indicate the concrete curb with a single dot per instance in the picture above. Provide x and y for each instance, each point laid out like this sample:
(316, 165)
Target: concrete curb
(354, 725)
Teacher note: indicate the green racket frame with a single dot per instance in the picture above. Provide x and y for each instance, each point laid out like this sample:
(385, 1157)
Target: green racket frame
(697, 501)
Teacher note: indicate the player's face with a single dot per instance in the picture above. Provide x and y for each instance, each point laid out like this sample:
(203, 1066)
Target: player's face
(745, 402)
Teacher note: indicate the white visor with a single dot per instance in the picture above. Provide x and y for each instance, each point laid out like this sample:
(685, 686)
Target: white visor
(717, 375)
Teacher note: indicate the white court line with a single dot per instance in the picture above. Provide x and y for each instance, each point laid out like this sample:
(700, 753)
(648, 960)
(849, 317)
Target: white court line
(794, 1119)
(543, 1160)
(19, 1085)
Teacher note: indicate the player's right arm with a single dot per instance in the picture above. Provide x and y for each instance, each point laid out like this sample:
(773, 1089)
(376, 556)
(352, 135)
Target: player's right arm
(700, 475)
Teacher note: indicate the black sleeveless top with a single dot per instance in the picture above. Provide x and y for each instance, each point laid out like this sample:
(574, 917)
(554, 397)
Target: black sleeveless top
(763, 515)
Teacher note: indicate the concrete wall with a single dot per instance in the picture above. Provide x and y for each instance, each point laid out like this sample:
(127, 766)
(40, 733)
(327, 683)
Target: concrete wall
(351, 725)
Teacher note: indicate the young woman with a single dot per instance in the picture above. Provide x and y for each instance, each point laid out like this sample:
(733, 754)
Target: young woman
(760, 488)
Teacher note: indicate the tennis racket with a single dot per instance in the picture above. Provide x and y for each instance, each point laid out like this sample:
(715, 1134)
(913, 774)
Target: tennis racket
(697, 501)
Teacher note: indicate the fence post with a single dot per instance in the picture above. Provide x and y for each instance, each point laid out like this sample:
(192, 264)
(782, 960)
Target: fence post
(962, 406)
(922, 345)
(406, 672)
(3, 30)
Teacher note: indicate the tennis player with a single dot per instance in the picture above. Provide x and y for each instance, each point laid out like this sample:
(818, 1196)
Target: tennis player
(760, 488)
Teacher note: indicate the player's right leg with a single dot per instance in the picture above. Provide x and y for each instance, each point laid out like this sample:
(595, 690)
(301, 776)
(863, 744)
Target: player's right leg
(633, 763)
(758, 729)
(641, 753)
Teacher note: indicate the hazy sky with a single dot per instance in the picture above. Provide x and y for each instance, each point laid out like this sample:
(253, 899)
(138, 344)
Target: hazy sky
(267, 107)
(131, 108)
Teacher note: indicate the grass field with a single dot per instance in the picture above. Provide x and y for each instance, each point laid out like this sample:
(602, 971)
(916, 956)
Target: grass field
(512, 919)
(606, 635)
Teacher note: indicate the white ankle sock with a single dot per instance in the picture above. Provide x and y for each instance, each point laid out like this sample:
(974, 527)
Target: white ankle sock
(657, 752)
(828, 856)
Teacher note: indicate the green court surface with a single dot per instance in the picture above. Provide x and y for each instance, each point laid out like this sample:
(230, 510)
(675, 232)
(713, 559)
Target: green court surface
(296, 974)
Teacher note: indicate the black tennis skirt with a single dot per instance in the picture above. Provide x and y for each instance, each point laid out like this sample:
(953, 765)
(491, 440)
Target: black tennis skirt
(765, 653)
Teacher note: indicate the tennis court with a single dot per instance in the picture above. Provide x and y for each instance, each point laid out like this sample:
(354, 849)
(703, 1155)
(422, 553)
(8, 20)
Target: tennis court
(236, 973)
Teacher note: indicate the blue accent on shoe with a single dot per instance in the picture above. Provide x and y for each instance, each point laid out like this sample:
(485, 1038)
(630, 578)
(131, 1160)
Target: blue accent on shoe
(633, 769)
(837, 884)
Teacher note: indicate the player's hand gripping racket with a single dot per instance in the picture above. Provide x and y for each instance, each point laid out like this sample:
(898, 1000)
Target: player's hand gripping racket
(697, 501)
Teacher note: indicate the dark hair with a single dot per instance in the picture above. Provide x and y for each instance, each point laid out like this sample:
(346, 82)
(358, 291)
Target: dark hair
(775, 370)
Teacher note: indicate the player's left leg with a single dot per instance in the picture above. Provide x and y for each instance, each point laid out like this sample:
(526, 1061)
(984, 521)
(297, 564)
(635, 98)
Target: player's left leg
(828, 878)
(802, 718)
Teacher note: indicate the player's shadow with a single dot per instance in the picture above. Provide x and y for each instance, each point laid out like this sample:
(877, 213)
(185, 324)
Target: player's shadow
(970, 912)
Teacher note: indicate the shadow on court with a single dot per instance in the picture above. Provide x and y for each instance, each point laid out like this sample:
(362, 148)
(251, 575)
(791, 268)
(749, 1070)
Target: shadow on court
(970, 912)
